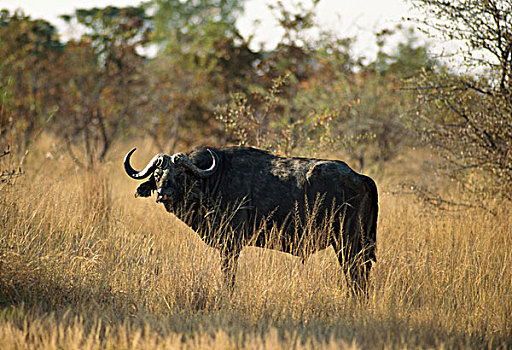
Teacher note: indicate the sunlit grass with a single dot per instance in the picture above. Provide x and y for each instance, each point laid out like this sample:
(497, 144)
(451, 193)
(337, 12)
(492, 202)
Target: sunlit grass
(84, 264)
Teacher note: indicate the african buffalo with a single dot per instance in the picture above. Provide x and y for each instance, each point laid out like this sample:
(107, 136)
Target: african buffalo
(235, 196)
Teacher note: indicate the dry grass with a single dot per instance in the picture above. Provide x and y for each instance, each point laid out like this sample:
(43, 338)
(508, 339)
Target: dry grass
(84, 264)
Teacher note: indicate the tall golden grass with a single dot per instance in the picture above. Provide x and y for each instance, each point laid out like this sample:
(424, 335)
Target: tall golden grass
(85, 265)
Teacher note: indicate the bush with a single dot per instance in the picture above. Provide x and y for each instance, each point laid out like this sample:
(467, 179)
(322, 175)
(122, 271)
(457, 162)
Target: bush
(467, 117)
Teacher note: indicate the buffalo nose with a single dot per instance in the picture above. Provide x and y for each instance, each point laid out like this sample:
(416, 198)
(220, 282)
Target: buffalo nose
(160, 195)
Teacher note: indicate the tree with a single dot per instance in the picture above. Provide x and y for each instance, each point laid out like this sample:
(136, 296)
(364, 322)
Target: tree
(409, 57)
(468, 116)
(100, 78)
(29, 49)
(202, 59)
(330, 100)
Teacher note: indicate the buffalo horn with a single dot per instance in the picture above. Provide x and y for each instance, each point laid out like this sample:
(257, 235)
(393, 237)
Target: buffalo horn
(184, 161)
(157, 161)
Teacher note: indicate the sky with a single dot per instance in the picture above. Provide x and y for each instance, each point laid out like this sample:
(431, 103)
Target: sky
(360, 18)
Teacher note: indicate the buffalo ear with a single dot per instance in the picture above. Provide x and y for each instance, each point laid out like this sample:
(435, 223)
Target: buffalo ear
(146, 188)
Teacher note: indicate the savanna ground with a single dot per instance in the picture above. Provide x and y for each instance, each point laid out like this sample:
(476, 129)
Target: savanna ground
(85, 265)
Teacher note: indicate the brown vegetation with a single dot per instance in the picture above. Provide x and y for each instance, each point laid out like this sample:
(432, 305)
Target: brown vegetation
(85, 265)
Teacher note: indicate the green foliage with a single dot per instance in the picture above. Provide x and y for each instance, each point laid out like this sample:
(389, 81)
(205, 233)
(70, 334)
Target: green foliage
(192, 34)
(112, 29)
(179, 18)
(202, 59)
(102, 88)
(28, 49)
(407, 59)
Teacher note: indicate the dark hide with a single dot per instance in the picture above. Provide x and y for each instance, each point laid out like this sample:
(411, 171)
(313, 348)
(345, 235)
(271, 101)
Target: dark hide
(297, 205)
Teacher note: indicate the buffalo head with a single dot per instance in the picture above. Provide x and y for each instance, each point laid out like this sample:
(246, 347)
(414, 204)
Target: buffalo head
(168, 175)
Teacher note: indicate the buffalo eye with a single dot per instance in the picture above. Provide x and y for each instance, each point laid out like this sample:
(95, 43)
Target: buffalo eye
(157, 176)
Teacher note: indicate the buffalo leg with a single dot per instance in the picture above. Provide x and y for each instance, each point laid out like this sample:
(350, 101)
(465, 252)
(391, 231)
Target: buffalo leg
(354, 251)
(355, 265)
(229, 267)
